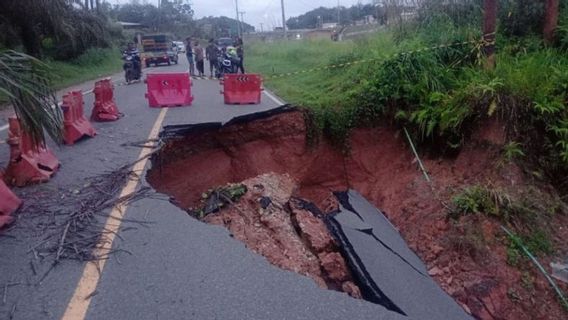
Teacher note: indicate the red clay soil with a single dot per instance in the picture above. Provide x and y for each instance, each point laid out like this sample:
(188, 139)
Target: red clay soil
(287, 235)
(382, 168)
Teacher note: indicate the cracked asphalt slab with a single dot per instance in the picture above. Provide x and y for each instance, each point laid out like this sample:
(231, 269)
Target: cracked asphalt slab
(172, 268)
(388, 263)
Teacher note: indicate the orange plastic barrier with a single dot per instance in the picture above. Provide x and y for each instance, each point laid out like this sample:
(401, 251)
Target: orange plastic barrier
(242, 88)
(75, 124)
(168, 90)
(28, 163)
(9, 203)
(105, 108)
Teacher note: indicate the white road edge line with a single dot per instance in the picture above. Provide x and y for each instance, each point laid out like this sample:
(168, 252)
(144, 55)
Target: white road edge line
(273, 98)
(5, 127)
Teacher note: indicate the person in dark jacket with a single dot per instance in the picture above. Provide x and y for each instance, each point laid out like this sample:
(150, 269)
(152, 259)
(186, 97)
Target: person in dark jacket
(240, 54)
(212, 53)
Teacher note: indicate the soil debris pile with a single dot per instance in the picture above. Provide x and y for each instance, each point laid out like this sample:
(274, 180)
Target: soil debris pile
(275, 225)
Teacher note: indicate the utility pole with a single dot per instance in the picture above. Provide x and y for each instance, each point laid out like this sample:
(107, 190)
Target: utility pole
(242, 13)
(284, 21)
(338, 14)
(261, 27)
(159, 15)
(238, 21)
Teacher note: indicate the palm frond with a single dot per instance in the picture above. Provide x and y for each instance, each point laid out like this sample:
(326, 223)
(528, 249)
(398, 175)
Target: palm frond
(26, 82)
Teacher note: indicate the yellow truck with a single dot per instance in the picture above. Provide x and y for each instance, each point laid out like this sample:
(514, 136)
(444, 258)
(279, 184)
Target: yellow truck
(158, 49)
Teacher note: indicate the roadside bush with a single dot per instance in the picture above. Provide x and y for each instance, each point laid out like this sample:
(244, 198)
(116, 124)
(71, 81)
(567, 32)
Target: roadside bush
(433, 93)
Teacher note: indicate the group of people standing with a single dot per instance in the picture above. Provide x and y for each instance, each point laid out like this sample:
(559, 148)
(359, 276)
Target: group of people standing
(196, 55)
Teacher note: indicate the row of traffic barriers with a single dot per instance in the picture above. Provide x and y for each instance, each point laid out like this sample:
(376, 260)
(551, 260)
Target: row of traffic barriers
(76, 126)
(31, 163)
(174, 89)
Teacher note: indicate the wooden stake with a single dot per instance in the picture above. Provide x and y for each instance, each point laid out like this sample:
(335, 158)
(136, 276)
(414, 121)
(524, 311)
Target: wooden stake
(550, 21)
(489, 28)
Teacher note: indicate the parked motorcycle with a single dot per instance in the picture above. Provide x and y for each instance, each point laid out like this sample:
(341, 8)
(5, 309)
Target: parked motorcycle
(132, 66)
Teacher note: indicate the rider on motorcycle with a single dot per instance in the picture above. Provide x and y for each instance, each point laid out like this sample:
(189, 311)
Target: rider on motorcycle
(131, 54)
(230, 54)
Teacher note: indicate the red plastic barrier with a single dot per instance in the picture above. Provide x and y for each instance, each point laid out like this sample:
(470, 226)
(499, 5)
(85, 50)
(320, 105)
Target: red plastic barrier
(75, 124)
(9, 203)
(28, 163)
(169, 90)
(242, 88)
(105, 108)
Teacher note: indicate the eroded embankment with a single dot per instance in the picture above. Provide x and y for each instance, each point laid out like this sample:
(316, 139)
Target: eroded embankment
(379, 166)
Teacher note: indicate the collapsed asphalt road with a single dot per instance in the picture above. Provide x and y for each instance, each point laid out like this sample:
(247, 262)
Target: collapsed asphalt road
(174, 268)
(265, 179)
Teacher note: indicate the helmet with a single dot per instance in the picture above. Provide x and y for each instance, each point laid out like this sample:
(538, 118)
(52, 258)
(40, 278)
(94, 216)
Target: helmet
(232, 51)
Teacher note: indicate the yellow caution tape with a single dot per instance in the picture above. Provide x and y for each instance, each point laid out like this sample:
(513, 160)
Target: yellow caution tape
(481, 43)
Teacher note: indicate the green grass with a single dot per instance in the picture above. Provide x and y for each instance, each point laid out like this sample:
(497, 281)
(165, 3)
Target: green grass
(439, 95)
(320, 88)
(326, 92)
(93, 64)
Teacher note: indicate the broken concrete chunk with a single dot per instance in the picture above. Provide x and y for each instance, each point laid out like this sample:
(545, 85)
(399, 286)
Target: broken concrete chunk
(388, 272)
(383, 229)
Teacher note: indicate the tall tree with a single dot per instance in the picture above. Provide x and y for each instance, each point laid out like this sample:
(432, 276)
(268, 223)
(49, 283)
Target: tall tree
(550, 20)
(67, 30)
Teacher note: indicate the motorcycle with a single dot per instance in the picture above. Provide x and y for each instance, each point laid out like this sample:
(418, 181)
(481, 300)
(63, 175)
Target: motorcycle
(227, 64)
(132, 66)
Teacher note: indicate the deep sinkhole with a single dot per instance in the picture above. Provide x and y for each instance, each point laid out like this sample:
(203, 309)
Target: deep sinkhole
(260, 178)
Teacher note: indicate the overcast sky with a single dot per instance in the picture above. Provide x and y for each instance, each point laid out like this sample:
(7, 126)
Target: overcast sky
(258, 11)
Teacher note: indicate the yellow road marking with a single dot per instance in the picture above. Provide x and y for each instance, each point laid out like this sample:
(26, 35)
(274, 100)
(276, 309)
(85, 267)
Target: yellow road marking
(79, 304)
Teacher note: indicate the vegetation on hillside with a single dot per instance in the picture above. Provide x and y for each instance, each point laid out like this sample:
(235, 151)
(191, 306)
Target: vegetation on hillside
(439, 94)
(316, 17)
